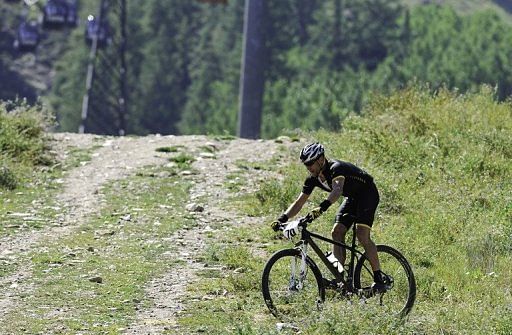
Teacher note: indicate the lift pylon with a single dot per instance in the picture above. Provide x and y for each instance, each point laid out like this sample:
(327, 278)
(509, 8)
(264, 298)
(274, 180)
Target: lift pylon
(104, 105)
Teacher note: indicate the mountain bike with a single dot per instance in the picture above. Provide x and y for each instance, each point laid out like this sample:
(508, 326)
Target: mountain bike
(293, 285)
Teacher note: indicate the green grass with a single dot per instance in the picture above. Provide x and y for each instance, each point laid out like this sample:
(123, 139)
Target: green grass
(77, 157)
(236, 180)
(442, 163)
(207, 149)
(170, 149)
(225, 137)
(182, 160)
(228, 297)
(123, 245)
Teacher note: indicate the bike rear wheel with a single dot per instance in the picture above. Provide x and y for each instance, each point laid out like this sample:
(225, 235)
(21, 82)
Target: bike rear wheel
(401, 293)
(290, 293)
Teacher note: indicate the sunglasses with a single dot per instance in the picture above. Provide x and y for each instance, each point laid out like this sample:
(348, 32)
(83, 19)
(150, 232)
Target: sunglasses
(310, 163)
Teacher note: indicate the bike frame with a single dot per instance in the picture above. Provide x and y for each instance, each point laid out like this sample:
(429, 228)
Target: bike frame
(307, 239)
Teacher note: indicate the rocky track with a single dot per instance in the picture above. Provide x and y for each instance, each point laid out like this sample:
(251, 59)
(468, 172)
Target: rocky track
(116, 158)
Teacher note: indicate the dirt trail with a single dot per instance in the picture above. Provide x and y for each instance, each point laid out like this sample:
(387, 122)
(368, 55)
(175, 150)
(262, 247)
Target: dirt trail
(168, 291)
(117, 158)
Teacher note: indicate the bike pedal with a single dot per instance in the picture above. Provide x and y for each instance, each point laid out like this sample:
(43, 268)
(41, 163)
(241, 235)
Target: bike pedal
(379, 288)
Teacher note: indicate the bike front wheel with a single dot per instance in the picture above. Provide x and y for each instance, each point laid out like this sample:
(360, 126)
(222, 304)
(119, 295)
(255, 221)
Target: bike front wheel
(292, 288)
(400, 294)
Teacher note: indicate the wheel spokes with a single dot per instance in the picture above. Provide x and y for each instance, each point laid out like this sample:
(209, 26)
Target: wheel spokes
(294, 294)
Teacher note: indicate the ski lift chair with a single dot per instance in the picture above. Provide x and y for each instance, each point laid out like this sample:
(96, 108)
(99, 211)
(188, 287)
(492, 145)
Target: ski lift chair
(27, 36)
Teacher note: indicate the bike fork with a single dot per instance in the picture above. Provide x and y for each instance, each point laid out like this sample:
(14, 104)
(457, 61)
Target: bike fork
(297, 275)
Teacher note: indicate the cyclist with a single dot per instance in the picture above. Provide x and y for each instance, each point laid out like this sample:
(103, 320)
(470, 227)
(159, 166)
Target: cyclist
(340, 178)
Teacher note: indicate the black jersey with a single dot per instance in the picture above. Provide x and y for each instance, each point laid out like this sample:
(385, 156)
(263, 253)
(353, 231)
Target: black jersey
(357, 181)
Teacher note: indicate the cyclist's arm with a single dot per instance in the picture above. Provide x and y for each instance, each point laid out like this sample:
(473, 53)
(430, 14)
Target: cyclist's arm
(337, 189)
(297, 205)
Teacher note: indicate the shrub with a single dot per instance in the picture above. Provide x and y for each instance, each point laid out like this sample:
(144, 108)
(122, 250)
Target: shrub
(23, 139)
(7, 178)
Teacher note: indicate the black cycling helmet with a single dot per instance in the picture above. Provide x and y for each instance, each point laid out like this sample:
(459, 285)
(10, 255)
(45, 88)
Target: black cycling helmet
(311, 152)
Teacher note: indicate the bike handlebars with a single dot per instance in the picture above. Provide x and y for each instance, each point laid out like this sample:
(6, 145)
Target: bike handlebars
(303, 222)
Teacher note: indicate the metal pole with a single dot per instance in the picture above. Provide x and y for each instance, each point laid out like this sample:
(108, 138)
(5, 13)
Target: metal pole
(90, 71)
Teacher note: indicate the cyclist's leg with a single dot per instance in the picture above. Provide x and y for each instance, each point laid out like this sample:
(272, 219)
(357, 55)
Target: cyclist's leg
(342, 223)
(363, 235)
(338, 234)
(365, 216)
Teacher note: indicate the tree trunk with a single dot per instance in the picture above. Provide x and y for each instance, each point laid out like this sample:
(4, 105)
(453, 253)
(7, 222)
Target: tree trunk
(252, 77)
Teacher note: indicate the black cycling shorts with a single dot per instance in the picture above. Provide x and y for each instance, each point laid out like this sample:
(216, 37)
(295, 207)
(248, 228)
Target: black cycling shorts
(360, 210)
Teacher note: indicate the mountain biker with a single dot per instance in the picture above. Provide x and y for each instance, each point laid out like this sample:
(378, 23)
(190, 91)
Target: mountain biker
(340, 178)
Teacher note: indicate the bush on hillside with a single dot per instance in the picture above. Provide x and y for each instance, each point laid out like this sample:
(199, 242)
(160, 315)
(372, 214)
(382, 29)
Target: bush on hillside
(7, 178)
(23, 140)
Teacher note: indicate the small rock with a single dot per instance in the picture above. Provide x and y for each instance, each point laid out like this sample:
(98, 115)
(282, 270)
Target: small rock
(193, 207)
(19, 214)
(282, 139)
(104, 232)
(211, 145)
(207, 155)
(97, 279)
(107, 143)
(12, 226)
(282, 326)
(165, 174)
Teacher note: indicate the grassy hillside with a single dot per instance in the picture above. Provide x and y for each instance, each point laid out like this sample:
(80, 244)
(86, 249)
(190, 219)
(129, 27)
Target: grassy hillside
(443, 166)
(442, 163)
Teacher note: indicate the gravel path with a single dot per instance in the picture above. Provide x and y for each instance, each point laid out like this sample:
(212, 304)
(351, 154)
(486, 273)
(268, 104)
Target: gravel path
(168, 291)
(115, 159)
